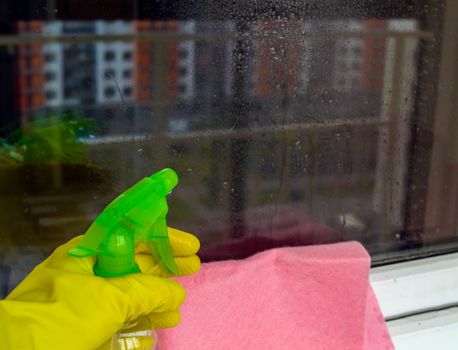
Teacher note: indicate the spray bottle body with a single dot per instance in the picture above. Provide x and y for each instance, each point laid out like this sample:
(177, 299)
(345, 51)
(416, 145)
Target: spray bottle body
(136, 215)
(136, 335)
(120, 261)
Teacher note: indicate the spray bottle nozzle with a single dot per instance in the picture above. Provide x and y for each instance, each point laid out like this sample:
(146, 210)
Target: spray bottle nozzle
(138, 214)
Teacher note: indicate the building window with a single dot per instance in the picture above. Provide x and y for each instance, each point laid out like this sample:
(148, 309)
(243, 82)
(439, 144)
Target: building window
(88, 81)
(49, 57)
(127, 91)
(127, 56)
(127, 74)
(109, 73)
(109, 55)
(182, 89)
(182, 71)
(50, 94)
(50, 76)
(109, 92)
(182, 54)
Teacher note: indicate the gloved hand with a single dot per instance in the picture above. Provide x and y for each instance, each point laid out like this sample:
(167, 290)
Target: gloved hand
(62, 305)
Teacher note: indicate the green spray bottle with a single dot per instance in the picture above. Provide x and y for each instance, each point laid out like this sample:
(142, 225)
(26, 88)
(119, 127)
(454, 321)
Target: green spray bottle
(137, 215)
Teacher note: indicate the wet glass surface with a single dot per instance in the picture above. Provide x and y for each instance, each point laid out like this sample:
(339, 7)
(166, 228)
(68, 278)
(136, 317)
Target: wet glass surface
(286, 127)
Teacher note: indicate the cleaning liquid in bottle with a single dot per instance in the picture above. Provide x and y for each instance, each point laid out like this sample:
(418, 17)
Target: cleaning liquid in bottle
(136, 335)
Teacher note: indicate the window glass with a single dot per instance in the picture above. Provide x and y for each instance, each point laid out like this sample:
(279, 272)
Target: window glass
(127, 74)
(109, 56)
(288, 124)
(109, 73)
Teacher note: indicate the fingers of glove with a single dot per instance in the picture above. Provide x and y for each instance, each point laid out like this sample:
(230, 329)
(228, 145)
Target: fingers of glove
(164, 319)
(183, 243)
(143, 294)
(186, 265)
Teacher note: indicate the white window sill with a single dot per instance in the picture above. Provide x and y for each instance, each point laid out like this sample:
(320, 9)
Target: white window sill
(418, 298)
(430, 330)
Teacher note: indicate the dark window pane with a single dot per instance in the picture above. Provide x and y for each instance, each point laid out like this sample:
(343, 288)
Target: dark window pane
(50, 76)
(109, 92)
(127, 56)
(288, 123)
(109, 55)
(50, 94)
(109, 74)
(127, 91)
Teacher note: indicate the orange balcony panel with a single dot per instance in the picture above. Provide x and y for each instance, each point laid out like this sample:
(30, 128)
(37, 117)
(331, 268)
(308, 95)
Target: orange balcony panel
(172, 74)
(143, 53)
(141, 70)
(36, 49)
(142, 25)
(22, 63)
(172, 25)
(144, 92)
(22, 82)
(143, 79)
(37, 81)
(37, 100)
(21, 26)
(173, 56)
(36, 62)
(160, 26)
(23, 102)
(145, 76)
(143, 45)
(144, 59)
(144, 97)
(143, 87)
(146, 83)
(36, 26)
(374, 24)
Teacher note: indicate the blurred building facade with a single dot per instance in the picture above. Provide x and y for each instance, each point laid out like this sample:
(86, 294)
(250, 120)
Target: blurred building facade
(292, 57)
(30, 74)
(116, 73)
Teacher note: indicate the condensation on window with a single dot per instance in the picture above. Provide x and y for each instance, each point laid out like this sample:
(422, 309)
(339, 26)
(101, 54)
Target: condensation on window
(287, 125)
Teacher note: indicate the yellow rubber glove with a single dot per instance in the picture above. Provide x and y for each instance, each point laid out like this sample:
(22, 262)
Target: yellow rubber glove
(62, 305)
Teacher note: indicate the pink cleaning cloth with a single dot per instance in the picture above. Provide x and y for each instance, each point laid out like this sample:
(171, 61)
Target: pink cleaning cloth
(315, 297)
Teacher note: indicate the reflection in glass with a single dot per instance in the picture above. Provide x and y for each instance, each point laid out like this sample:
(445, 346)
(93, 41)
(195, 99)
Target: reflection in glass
(283, 131)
